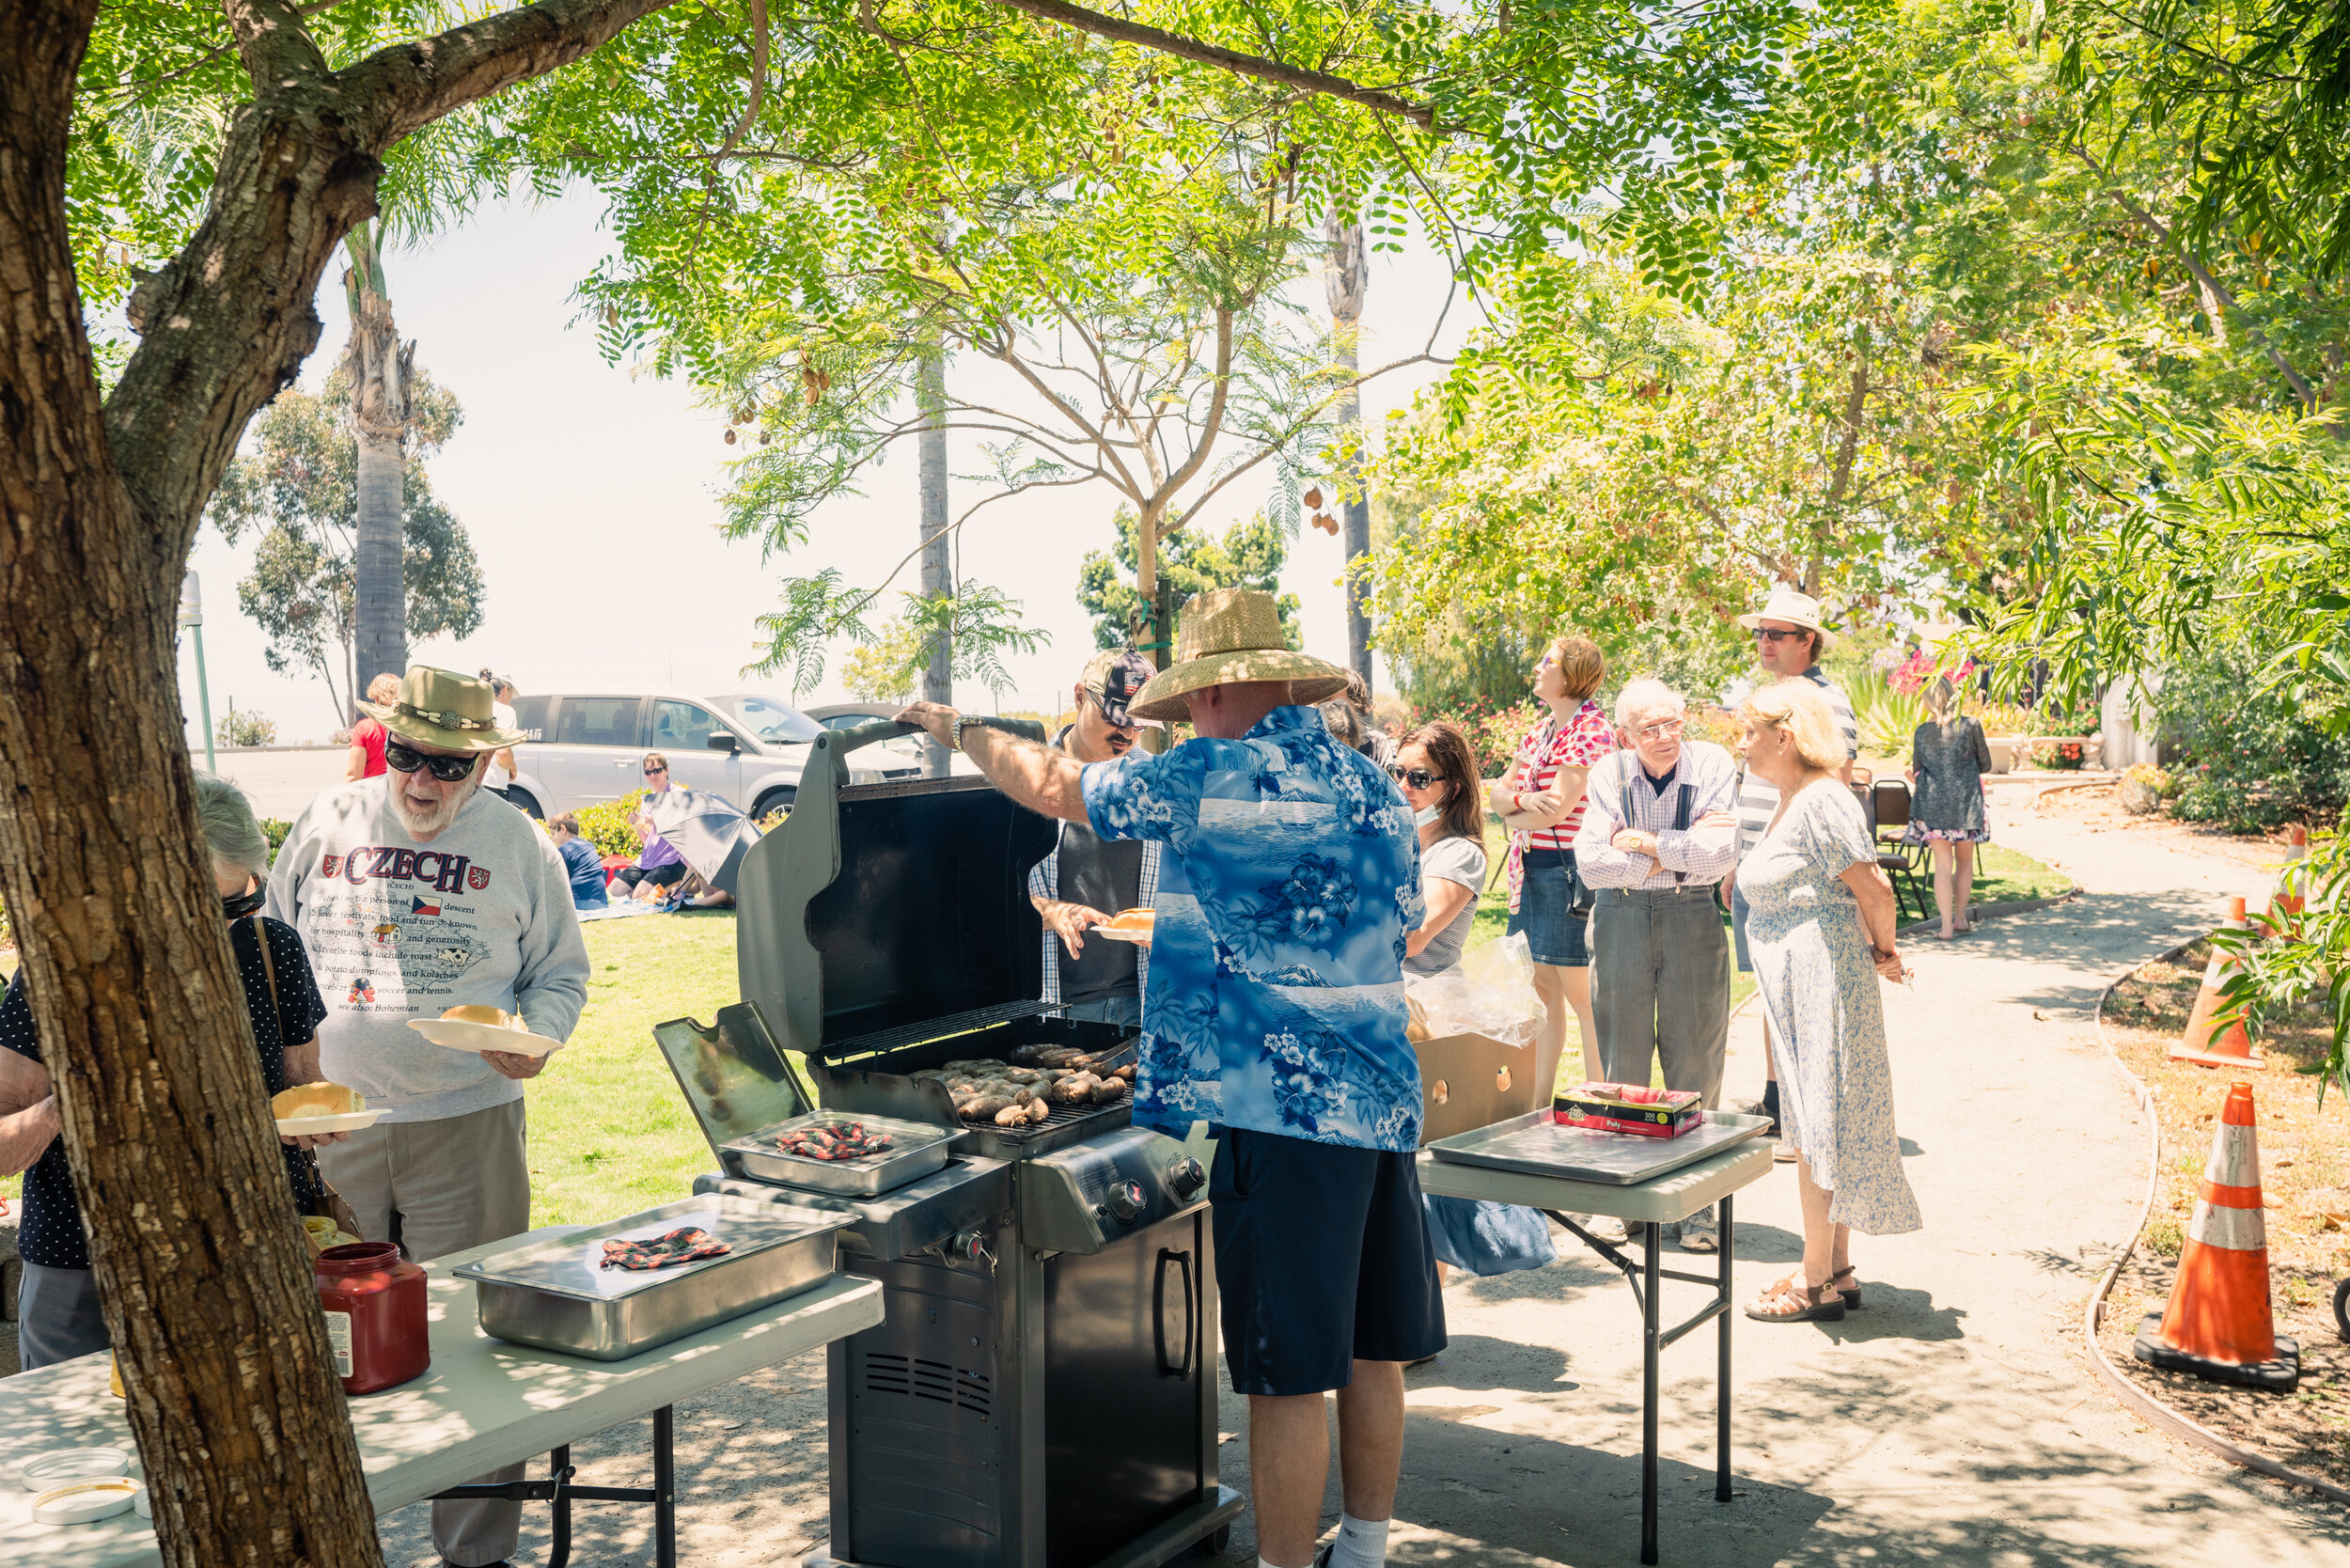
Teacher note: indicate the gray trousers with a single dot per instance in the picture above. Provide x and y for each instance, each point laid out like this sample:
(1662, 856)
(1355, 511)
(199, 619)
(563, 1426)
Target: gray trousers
(1660, 986)
(437, 1188)
(57, 1317)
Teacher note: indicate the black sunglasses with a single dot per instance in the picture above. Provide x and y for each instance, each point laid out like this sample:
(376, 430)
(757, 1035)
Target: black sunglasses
(448, 770)
(1418, 779)
(649, 771)
(1771, 634)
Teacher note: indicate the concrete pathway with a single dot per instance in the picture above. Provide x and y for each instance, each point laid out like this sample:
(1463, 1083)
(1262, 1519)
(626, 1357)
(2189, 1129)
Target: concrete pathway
(1952, 1422)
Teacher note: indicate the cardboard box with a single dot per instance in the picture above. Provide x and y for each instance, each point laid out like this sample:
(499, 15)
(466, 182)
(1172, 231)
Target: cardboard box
(1612, 1108)
(1467, 1081)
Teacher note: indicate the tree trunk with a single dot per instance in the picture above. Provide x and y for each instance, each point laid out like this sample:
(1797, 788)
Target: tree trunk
(203, 1273)
(380, 366)
(1346, 277)
(938, 581)
(1157, 629)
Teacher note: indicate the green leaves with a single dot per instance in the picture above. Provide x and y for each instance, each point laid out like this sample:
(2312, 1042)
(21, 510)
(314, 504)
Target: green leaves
(982, 626)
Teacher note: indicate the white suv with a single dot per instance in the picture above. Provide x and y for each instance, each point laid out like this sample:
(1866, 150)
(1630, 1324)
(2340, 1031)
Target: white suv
(588, 749)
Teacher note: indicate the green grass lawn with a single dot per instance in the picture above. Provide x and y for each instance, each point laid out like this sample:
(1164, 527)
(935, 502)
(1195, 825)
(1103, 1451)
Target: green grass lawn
(610, 1133)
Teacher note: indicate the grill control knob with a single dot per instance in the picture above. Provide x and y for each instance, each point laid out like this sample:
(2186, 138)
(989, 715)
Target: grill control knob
(1186, 1178)
(1123, 1201)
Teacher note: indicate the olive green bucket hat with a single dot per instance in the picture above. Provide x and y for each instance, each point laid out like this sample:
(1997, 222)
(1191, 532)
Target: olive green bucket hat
(441, 708)
(1230, 635)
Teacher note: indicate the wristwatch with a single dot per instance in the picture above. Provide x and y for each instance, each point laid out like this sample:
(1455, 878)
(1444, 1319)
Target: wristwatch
(961, 722)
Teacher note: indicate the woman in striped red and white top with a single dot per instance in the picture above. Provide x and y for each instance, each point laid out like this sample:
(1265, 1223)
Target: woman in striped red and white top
(1541, 801)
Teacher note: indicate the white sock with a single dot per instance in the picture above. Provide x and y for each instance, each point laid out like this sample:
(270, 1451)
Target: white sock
(1267, 1562)
(1361, 1544)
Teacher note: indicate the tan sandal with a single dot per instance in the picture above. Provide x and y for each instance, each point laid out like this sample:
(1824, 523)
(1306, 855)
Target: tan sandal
(1790, 1301)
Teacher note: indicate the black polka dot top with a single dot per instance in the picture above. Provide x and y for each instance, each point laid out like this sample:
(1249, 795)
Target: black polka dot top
(49, 1232)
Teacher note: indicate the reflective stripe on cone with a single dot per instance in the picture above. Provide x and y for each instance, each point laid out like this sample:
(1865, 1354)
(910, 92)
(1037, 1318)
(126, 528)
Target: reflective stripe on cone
(2220, 1308)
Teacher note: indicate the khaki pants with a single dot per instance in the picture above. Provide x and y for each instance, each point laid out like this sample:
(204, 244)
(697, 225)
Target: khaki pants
(437, 1188)
(1660, 987)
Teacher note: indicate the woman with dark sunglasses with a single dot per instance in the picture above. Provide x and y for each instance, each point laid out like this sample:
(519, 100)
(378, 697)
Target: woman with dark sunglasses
(57, 1312)
(1437, 772)
(660, 868)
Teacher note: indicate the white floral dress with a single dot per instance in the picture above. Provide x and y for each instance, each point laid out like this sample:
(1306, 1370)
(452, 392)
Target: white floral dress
(1819, 987)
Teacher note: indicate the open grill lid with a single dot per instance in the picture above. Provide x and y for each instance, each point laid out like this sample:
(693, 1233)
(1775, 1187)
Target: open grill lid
(884, 914)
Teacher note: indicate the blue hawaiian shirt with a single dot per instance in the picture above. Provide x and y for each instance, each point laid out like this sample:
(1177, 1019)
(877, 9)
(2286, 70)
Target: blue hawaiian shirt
(1275, 1000)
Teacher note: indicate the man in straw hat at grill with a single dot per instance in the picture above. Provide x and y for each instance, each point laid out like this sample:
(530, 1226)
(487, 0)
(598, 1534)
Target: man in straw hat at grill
(417, 891)
(1274, 1014)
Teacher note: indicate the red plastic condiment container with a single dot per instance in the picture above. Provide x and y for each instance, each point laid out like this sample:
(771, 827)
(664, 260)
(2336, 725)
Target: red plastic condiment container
(375, 1320)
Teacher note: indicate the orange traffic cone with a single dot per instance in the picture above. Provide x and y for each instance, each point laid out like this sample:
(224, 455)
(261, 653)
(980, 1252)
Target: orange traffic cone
(2290, 898)
(2218, 1326)
(2203, 1044)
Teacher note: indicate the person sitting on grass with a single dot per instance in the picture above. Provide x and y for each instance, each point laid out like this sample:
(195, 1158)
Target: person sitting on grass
(660, 867)
(581, 861)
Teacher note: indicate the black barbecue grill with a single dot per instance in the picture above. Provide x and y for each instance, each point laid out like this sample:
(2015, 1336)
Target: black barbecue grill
(1041, 1393)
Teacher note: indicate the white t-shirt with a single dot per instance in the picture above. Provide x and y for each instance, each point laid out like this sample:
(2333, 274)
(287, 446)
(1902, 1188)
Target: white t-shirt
(1449, 859)
(495, 776)
(398, 930)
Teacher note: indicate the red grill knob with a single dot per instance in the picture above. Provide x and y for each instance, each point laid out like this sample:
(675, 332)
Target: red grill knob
(1124, 1201)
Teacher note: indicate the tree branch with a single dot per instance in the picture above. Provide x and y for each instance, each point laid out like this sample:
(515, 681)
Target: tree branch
(407, 86)
(1422, 115)
(277, 48)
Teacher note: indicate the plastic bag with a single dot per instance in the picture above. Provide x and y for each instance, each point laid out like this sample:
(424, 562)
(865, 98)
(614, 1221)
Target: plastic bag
(1490, 993)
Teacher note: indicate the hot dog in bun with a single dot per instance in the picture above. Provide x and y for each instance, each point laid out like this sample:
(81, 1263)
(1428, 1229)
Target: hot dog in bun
(1134, 919)
(497, 1018)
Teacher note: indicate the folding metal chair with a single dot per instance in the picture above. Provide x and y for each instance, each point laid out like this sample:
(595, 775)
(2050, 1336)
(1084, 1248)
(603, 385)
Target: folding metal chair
(1904, 863)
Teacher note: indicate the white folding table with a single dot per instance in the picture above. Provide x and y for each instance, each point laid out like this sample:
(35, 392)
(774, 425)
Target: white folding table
(1657, 1202)
(483, 1405)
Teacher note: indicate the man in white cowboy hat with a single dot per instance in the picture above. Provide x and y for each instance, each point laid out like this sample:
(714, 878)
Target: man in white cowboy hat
(1789, 640)
(1275, 1015)
(415, 892)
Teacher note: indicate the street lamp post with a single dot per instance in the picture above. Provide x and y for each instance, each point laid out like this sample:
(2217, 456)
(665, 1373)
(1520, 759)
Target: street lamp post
(191, 620)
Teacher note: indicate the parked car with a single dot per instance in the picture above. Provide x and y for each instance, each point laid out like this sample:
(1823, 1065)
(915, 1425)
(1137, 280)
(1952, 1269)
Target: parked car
(587, 748)
(849, 715)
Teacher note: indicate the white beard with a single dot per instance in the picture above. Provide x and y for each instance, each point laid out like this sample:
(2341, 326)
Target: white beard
(429, 823)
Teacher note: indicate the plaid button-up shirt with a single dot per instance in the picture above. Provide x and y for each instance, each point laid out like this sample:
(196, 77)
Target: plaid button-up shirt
(1690, 857)
(1045, 883)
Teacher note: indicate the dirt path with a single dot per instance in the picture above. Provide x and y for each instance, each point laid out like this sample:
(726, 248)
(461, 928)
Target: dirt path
(1952, 1422)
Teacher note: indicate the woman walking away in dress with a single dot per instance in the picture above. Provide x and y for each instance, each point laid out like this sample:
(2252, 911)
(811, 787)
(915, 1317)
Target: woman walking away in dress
(1820, 928)
(1540, 800)
(1948, 758)
(1437, 772)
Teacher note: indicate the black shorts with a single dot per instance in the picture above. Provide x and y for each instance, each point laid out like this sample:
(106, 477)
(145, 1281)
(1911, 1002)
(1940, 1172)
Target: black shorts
(627, 877)
(1322, 1260)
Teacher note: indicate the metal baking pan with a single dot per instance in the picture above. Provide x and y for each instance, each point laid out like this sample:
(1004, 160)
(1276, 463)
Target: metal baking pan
(917, 1149)
(1535, 1145)
(554, 1294)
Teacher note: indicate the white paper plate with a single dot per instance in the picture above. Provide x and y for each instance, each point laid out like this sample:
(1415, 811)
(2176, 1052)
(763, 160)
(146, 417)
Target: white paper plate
(58, 1466)
(343, 1121)
(142, 1504)
(85, 1501)
(460, 1034)
(1118, 934)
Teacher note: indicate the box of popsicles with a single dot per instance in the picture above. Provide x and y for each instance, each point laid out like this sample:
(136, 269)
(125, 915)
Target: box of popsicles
(1633, 1108)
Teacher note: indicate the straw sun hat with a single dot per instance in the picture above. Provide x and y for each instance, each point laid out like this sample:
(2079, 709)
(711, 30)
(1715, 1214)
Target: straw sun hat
(1230, 636)
(445, 709)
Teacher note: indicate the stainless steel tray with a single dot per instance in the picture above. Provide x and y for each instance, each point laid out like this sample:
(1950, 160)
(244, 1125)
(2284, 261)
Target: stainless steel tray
(917, 1149)
(555, 1294)
(1537, 1146)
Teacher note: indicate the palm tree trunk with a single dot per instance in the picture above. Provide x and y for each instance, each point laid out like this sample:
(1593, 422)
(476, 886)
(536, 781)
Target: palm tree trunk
(378, 365)
(938, 673)
(1346, 278)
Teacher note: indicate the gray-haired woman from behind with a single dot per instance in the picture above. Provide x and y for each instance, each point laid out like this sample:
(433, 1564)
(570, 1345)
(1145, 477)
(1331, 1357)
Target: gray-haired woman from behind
(57, 1313)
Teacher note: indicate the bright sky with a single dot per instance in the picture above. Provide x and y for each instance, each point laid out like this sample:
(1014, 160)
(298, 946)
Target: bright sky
(591, 495)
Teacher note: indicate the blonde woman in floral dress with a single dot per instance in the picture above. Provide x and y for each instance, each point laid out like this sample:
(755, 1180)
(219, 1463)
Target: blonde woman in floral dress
(1820, 929)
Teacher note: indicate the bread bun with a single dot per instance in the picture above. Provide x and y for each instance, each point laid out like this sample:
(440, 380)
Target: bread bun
(316, 1100)
(497, 1018)
(1134, 919)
